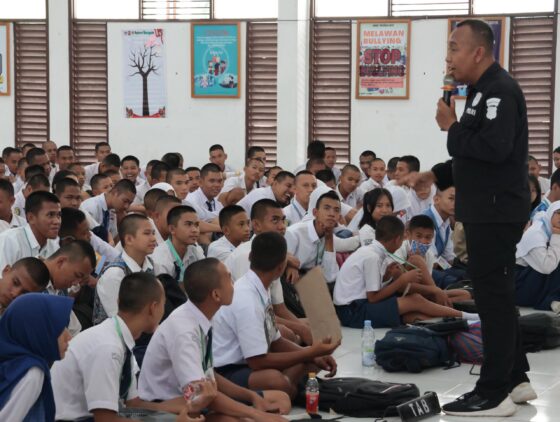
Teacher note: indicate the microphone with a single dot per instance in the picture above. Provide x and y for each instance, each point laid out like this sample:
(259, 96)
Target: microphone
(448, 87)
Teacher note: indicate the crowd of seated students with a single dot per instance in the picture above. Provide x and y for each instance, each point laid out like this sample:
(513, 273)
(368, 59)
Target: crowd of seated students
(169, 287)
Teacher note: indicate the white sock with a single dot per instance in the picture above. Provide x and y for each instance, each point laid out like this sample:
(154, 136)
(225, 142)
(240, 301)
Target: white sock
(470, 317)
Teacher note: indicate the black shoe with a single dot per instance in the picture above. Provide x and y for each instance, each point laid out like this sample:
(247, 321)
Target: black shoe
(471, 404)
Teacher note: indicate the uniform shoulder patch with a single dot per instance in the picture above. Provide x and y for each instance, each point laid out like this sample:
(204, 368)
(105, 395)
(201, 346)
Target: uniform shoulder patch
(477, 99)
(492, 108)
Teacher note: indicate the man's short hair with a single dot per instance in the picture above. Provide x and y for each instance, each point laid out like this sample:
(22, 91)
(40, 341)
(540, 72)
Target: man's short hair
(124, 186)
(60, 185)
(330, 149)
(201, 278)
(316, 149)
(35, 201)
(112, 160)
(349, 167)
(555, 178)
(227, 213)
(6, 152)
(314, 161)
(420, 222)
(138, 290)
(174, 215)
(192, 168)
(70, 218)
(129, 225)
(216, 147)
(152, 197)
(77, 250)
(261, 207)
(63, 148)
(209, 168)
(303, 173)
(33, 153)
(172, 159)
(62, 174)
(100, 145)
(388, 228)
(331, 194)
(36, 269)
(412, 162)
(164, 201)
(368, 153)
(130, 158)
(38, 181)
(6, 186)
(32, 170)
(157, 169)
(174, 172)
(482, 32)
(96, 179)
(252, 151)
(325, 176)
(283, 175)
(556, 150)
(268, 251)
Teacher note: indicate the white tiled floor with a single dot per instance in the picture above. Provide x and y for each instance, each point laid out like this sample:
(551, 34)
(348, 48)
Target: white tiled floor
(449, 384)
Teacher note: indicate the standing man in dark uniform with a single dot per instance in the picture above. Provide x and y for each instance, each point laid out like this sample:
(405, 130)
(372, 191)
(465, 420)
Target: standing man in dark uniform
(489, 150)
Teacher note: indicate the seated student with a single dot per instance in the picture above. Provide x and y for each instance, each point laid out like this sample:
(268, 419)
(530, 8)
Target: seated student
(535, 189)
(115, 175)
(271, 174)
(330, 162)
(363, 290)
(180, 249)
(180, 356)
(100, 183)
(553, 195)
(39, 238)
(314, 165)
(556, 157)
(10, 157)
(105, 207)
(102, 150)
(281, 191)
(376, 177)
(64, 156)
(305, 184)
(33, 335)
(138, 242)
(20, 175)
(218, 157)
(38, 156)
(150, 199)
(248, 348)
(347, 188)
(26, 275)
(130, 169)
(206, 196)
(179, 180)
(312, 243)
(405, 165)
(378, 203)
(50, 148)
(172, 159)
(193, 174)
(535, 170)
(315, 149)
(327, 177)
(401, 202)
(236, 187)
(537, 276)
(159, 223)
(36, 183)
(6, 201)
(236, 227)
(366, 158)
(421, 198)
(156, 172)
(99, 369)
(111, 163)
(80, 173)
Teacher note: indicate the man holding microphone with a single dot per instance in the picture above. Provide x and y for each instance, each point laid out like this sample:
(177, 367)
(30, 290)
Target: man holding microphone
(489, 149)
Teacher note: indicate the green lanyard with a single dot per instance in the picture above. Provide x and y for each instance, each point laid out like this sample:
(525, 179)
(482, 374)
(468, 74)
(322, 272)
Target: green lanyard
(320, 253)
(177, 258)
(119, 332)
(205, 353)
(401, 260)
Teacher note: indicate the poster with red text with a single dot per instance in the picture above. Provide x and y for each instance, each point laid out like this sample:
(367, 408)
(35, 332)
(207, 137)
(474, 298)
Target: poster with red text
(383, 59)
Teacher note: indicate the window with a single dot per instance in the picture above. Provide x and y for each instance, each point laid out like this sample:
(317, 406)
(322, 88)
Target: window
(532, 56)
(339, 8)
(262, 43)
(175, 9)
(245, 9)
(88, 88)
(31, 83)
(429, 7)
(481, 7)
(106, 9)
(23, 9)
(331, 71)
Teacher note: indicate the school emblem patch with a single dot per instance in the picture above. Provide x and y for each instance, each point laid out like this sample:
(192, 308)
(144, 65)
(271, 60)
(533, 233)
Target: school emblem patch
(477, 98)
(492, 108)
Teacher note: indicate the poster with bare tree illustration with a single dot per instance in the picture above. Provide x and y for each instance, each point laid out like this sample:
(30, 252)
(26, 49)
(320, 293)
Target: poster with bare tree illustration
(144, 73)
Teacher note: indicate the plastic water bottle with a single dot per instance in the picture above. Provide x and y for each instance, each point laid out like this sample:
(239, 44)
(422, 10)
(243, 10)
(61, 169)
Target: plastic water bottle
(368, 345)
(312, 394)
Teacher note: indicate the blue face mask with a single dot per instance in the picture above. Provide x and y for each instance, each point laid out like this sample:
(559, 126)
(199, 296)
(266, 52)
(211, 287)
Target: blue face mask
(419, 247)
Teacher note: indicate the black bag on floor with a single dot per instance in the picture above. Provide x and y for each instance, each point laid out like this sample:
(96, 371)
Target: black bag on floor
(444, 326)
(291, 299)
(540, 331)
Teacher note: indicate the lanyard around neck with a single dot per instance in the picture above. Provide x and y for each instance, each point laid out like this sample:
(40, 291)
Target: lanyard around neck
(177, 258)
(205, 351)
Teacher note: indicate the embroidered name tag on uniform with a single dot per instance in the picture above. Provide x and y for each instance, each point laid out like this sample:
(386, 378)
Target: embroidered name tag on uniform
(470, 111)
(492, 108)
(477, 98)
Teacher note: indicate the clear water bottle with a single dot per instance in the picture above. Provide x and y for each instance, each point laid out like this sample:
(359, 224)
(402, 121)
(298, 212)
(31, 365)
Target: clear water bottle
(312, 394)
(368, 345)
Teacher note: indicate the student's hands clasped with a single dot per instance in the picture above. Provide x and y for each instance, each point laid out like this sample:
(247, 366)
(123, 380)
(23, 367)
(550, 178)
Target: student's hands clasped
(207, 392)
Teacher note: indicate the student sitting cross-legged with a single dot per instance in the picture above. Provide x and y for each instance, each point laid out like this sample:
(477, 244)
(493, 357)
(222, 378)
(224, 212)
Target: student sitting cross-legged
(364, 291)
(180, 356)
(98, 374)
(248, 348)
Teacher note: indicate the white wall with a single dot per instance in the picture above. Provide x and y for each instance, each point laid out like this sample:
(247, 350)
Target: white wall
(7, 106)
(191, 125)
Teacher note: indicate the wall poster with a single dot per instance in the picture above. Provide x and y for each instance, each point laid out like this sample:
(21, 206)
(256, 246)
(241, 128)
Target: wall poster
(4, 59)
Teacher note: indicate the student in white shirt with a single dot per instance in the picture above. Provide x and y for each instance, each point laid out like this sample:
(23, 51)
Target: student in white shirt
(33, 335)
(19, 181)
(281, 190)
(535, 170)
(39, 238)
(27, 275)
(11, 157)
(193, 178)
(365, 289)
(6, 201)
(553, 195)
(377, 204)
(98, 373)
(218, 157)
(102, 150)
(180, 249)
(366, 158)
(80, 173)
(38, 156)
(130, 169)
(179, 357)
(236, 227)
(377, 173)
(248, 348)
(347, 187)
(330, 161)
(421, 198)
(401, 201)
(64, 157)
(405, 165)
(206, 196)
(305, 184)
(100, 184)
(50, 148)
(312, 242)
(315, 149)
(236, 187)
(159, 217)
(138, 241)
(36, 183)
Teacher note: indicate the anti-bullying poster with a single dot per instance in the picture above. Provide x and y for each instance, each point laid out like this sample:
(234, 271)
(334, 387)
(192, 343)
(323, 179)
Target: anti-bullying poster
(383, 59)
(215, 60)
(144, 73)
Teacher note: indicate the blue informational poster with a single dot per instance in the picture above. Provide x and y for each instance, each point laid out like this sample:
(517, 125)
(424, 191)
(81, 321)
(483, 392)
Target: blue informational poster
(215, 60)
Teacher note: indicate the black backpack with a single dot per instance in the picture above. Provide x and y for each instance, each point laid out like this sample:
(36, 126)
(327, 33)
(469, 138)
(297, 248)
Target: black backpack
(540, 331)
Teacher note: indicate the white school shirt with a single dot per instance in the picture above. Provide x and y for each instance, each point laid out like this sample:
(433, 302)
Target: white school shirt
(174, 357)
(141, 188)
(16, 221)
(110, 281)
(18, 184)
(220, 249)
(23, 396)
(164, 261)
(366, 235)
(304, 243)
(544, 183)
(544, 260)
(368, 185)
(20, 242)
(238, 265)
(294, 212)
(336, 171)
(441, 226)
(88, 377)
(417, 205)
(352, 199)
(19, 205)
(202, 213)
(405, 249)
(230, 171)
(90, 171)
(4, 226)
(95, 207)
(362, 272)
(255, 195)
(103, 248)
(159, 237)
(239, 329)
(237, 182)
(200, 199)
(74, 325)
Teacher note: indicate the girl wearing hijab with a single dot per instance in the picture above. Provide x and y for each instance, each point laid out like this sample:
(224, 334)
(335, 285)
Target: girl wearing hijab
(33, 335)
(537, 257)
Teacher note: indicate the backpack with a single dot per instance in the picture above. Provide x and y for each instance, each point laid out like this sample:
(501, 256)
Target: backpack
(540, 331)
(412, 349)
(468, 345)
(360, 397)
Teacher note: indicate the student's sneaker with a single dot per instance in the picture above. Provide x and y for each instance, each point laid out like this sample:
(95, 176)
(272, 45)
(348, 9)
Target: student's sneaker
(555, 306)
(471, 404)
(523, 393)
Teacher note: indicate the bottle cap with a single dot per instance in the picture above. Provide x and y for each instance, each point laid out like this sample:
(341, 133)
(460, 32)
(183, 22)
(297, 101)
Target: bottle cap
(311, 375)
(367, 323)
